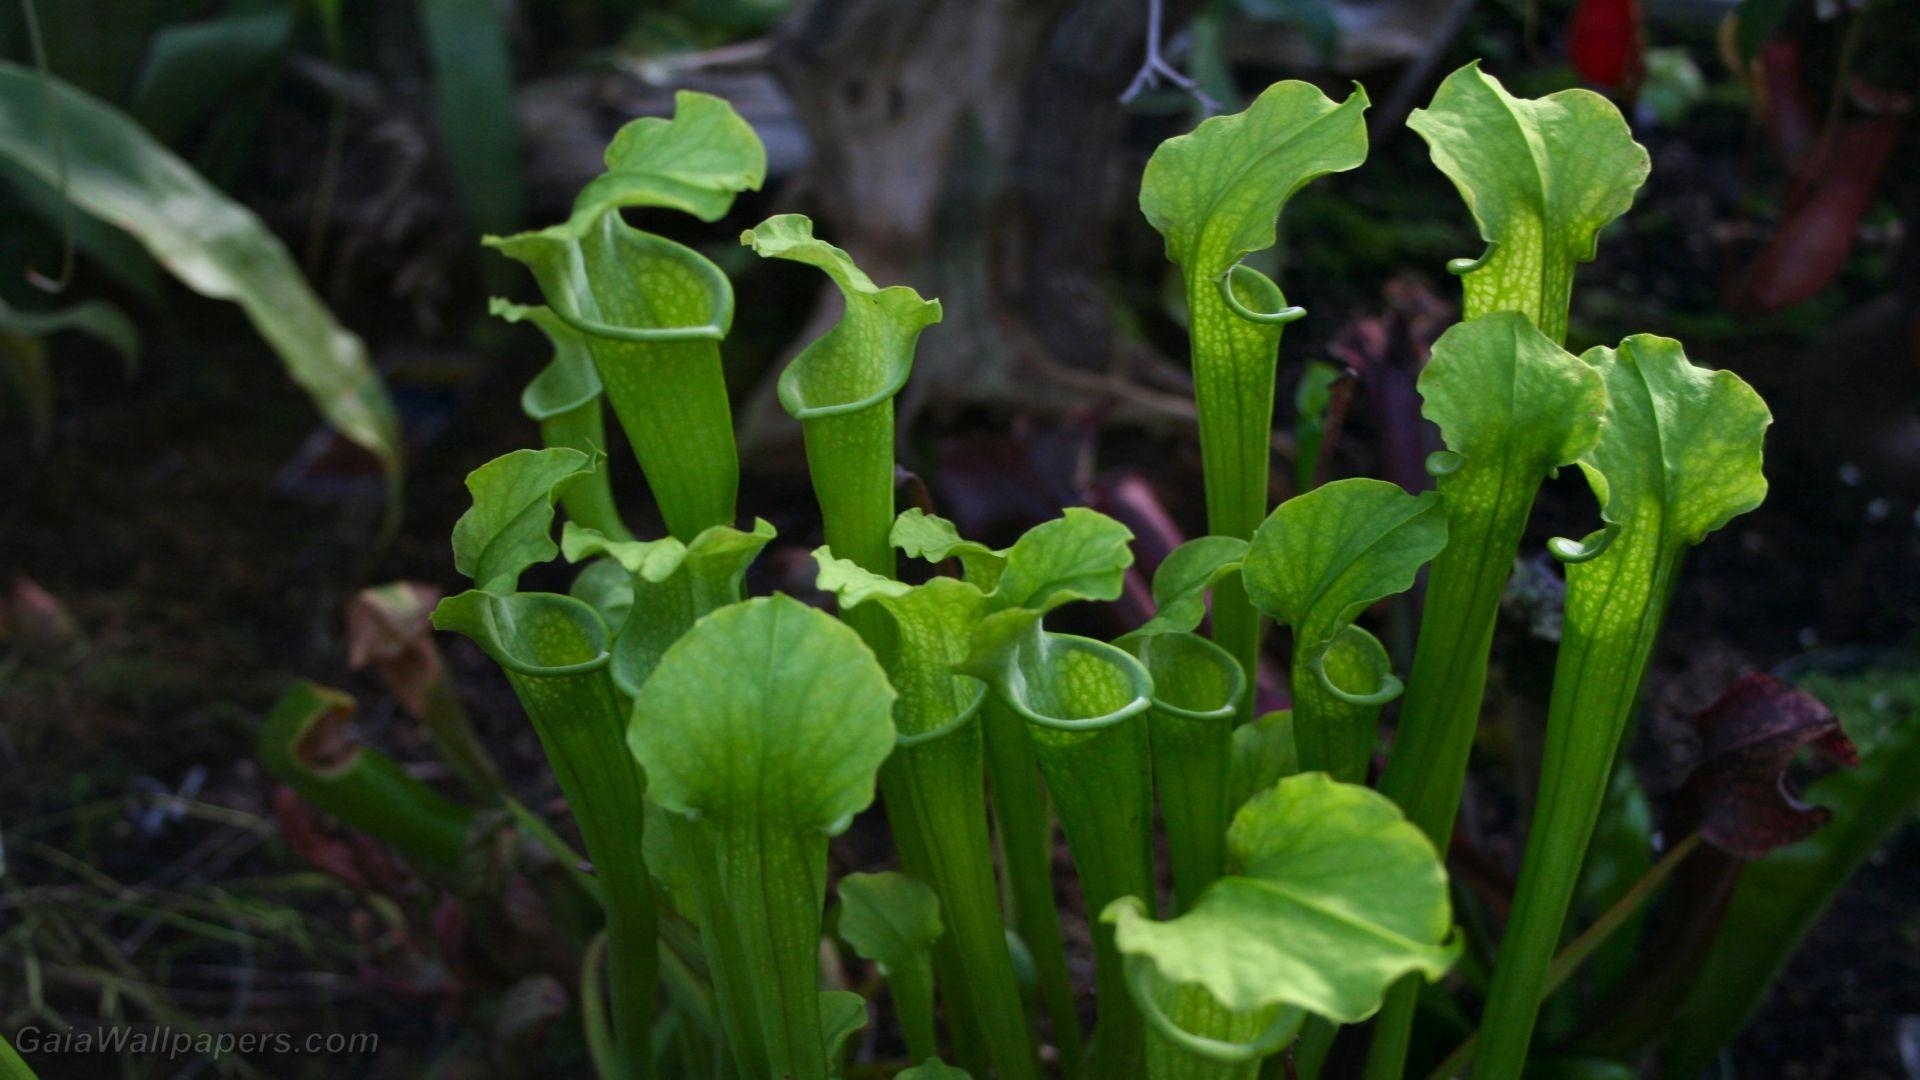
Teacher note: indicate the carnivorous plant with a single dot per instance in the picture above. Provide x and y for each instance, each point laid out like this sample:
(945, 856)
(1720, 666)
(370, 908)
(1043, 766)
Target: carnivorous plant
(711, 745)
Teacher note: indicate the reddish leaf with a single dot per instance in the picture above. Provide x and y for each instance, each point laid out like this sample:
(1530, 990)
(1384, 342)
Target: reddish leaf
(1738, 799)
(1788, 111)
(1835, 187)
(1738, 796)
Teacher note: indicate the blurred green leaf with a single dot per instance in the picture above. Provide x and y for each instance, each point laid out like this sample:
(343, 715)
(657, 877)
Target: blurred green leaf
(473, 91)
(892, 920)
(193, 67)
(23, 353)
(214, 245)
(306, 743)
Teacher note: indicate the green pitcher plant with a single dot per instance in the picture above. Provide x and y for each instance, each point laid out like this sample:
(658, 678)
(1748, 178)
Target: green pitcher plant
(1245, 893)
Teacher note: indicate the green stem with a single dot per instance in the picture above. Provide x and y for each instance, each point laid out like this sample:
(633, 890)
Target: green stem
(912, 990)
(1518, 277)
(1025, 828)
(565, 400)
(1197, 689)
(850, 458)
(778, 928)
(1316, 1042)
(1234, 362)
(937, 806)
(1603, 656)
(601, 1047)
(1589, 941)
(932, 789)
(555, 653)
(1427, 771)
(1082, 700)
(724, 948)
(702, 1043)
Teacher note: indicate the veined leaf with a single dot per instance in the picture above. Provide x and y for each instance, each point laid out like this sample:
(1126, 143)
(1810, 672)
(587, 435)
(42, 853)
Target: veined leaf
(1214, 193)
(893, 920)
(920, 535)
(1505, 397)
(763, 728)
(510, 525)
(555, 652)
(1512, 406)
(695, 163)
(1197, 690)
(1181, 582)
(652, 311)
(932, 628)
(1681, 442)
(1081, 701)
(217, 247)
(841, 389)
(1345, 728)
(934, 796)
(672, 585)
(866, 356)
(1323, 557)
(1542, 178)
(1678, 457)
(1080, 555)
(1319, 561)
(1332, 896)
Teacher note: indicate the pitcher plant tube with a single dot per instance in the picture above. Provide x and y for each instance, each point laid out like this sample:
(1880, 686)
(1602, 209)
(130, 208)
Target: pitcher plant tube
(1214, 195)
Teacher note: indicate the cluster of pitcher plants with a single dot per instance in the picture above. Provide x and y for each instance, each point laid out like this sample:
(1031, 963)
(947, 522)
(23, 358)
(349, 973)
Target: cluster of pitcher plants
(709, 744)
